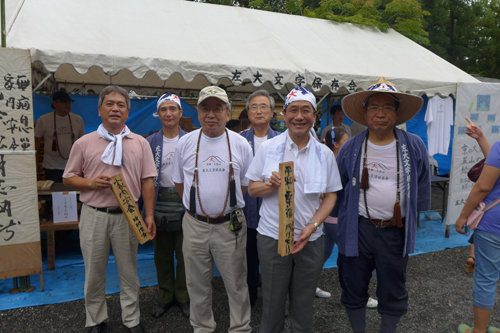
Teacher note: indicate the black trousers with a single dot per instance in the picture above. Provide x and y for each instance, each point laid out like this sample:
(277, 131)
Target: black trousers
(252, 265)
(381, 249)
(54, 174)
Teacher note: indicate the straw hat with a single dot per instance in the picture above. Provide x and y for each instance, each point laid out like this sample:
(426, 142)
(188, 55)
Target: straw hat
(409, 105)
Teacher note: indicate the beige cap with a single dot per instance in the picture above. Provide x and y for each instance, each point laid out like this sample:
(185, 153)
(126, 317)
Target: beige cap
(213, 91)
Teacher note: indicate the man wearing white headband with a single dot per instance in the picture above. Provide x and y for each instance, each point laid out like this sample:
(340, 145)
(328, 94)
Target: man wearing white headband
(386, 178)
(169, 209)
(316, 172)
(95, 157)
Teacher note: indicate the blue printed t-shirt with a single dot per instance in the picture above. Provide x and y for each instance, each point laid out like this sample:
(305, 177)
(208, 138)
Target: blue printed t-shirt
(491, 219)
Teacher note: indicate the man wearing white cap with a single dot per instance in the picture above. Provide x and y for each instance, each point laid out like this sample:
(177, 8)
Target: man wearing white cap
(169, 209)
(316, 172)
(209, 174)
(386, 178)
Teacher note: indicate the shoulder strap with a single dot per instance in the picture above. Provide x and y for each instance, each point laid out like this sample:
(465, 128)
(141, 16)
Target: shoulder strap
(492, 205)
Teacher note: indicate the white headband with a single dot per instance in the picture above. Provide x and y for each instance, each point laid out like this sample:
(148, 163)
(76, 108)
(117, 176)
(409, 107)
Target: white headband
(168, 97)
(300, 94)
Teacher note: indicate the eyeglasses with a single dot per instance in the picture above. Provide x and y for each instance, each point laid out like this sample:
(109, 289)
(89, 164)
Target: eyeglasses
(304, 112)
(262, 107)
(216, 110)
(385, 108)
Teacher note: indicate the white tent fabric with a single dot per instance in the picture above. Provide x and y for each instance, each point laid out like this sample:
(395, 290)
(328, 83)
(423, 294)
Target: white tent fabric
(183, 40)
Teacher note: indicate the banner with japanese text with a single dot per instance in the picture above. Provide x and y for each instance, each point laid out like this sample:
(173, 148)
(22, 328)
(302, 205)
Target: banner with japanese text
(479, 102)
(19, 223)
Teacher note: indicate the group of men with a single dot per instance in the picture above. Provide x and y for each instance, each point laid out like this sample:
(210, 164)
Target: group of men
(227, 185)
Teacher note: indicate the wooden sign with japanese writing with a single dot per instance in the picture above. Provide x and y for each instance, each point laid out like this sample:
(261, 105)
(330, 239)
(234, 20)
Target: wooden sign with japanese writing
(20, 248)
(129, 208)
(287, 209)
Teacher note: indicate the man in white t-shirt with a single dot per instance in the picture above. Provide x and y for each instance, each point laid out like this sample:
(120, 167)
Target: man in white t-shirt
(316, 172)
(169, 209)
(59, 130)
(337, 118)
(260, 106)
(209, 173)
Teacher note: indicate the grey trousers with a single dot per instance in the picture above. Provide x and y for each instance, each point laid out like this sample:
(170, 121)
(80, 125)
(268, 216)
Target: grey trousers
(203, 244)
(98, 232)
(296, 274)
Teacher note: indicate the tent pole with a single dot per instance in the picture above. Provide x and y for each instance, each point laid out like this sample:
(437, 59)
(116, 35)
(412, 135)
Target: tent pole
(41, 82)
(4, 33)
(322, 98)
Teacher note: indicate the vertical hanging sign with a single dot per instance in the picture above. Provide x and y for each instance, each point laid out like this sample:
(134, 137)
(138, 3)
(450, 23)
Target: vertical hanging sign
(20, 250)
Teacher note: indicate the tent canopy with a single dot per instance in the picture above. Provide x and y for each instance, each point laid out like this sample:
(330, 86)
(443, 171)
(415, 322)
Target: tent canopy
(176, 44)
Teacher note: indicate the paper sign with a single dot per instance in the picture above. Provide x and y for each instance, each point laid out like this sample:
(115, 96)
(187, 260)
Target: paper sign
(64, 207)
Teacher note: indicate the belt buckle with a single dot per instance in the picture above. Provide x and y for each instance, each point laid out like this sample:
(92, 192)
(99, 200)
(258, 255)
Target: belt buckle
(382, 224)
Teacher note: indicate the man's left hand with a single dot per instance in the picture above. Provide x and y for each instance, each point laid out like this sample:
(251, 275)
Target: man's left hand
(150, 224)
(305, 234)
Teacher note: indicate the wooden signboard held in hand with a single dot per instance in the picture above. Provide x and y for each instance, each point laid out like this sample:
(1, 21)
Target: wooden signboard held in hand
(129, 208)
(287, 208)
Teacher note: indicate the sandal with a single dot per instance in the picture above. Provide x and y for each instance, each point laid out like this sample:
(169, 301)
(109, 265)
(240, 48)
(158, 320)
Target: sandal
(492, 329)
(469, 267)
(463, 328)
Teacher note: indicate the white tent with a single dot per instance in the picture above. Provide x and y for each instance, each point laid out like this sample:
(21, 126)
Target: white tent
(175, 44)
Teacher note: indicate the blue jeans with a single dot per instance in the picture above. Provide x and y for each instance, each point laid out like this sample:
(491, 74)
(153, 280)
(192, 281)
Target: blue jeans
(486, 269)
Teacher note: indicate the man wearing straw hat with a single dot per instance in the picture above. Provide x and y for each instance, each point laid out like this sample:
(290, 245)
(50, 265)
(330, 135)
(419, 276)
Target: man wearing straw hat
(386, 179)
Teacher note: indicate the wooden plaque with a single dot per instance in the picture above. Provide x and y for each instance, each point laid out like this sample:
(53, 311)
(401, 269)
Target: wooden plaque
(287, 209)
(129, 208)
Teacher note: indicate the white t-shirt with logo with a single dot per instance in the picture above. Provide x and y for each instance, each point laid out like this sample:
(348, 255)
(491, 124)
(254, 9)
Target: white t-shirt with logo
(382, 179)
(167, 161)
(258, 141)
(45, 129)
(213, 169)
(439, 119)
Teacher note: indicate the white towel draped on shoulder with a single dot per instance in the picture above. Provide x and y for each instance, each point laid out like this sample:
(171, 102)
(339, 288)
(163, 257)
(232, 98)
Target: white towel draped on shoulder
(316, 177)
(113, 154)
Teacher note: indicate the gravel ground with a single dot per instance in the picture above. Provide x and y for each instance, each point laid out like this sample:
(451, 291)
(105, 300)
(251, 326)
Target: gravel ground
(440, 299)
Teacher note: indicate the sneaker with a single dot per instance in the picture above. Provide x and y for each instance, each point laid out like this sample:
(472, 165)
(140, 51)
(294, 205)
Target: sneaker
(322, 293)
(372, 303)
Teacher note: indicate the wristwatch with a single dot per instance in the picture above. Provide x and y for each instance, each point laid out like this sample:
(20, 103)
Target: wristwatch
(314, 223)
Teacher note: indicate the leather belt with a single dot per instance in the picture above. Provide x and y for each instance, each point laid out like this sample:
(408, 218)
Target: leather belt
(108, 210)
(381, 223)
(167, 190)
(203, 218)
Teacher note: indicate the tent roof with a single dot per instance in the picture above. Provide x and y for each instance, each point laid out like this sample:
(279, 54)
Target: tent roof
(190, 44)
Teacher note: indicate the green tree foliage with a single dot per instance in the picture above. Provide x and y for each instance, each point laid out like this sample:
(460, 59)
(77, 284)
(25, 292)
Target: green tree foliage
(466, 33)
(487, 59)
(404, 16)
